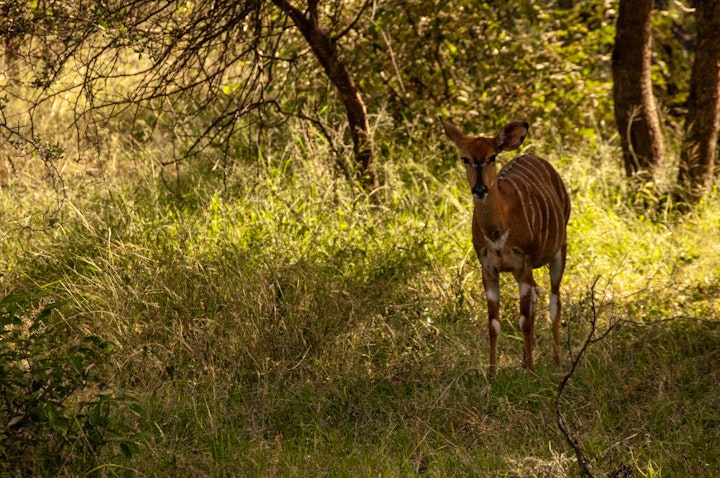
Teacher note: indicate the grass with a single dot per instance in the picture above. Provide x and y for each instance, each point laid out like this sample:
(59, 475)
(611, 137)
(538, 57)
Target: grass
(278, 323)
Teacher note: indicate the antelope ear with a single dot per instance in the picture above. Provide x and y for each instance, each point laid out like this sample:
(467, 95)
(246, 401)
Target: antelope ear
(454, 134)
(512, 135)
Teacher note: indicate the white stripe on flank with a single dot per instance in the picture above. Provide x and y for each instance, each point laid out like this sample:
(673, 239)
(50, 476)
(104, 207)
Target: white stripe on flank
(557, 214)
(538, 175)
(525, 208)
(534, 210)
(552, 197)
(539, 198)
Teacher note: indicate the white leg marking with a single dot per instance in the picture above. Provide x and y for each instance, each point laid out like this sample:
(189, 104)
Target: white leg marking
(492, 294)
(553, 307)
(526, 289)
(556, 267)
(522, 321)
(495, 323)
(533, 300)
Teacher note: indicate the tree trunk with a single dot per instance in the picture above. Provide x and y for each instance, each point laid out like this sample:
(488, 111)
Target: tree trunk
(635, 110)
(702, 124)
(326, 51)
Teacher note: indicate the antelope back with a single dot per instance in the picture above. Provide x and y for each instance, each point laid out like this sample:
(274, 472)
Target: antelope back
(537, 206)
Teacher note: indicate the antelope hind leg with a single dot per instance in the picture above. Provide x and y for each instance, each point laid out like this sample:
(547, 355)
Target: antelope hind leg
(557, 268)
(528, 299)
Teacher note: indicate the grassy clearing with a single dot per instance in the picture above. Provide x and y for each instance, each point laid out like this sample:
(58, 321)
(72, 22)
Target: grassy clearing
(280, 324)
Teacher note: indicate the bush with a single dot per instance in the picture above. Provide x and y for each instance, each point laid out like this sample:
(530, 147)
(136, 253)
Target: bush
(57, 405)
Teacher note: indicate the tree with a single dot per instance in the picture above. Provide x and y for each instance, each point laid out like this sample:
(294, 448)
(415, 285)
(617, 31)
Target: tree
(635, 109)
(702, 124)
(328, 54)
(203, 72)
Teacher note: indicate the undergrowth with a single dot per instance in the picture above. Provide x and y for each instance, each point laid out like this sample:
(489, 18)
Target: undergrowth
(275, 321)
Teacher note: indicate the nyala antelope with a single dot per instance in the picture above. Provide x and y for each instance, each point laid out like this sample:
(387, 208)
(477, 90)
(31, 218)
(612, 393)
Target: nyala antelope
(519, 224)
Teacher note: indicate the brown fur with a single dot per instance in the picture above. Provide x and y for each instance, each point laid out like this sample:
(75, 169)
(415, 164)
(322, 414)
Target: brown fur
(519, 224)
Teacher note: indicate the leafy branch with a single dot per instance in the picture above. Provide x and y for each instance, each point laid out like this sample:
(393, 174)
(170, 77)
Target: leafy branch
(37, 147)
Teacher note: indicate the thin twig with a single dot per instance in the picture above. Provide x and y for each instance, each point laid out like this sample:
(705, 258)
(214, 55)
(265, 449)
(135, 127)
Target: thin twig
(571, 439)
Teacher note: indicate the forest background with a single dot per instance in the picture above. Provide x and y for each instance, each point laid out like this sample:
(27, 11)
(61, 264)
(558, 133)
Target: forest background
(216, 262)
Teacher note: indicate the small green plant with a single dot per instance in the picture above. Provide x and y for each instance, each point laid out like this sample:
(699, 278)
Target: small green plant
(55, 402)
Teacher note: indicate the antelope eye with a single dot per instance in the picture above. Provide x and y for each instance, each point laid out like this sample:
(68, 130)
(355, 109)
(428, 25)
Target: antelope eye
(492, 158)
(465, 160)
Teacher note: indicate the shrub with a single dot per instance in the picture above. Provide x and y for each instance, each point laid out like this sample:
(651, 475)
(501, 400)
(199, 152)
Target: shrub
(57, 406)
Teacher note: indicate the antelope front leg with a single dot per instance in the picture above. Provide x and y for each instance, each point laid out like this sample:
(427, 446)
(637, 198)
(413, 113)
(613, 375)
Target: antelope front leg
(492, 293)
(528, 298)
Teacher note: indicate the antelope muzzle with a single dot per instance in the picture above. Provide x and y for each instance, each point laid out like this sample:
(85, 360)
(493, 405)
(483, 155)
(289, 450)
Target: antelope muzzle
(479, 191)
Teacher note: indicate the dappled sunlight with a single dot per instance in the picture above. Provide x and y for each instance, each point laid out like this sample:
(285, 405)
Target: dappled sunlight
(201, 282)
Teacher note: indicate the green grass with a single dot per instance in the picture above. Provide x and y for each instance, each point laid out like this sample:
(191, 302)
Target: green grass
(283, 325)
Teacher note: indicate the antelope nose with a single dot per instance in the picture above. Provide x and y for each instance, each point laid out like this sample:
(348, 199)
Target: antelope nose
(479, 191)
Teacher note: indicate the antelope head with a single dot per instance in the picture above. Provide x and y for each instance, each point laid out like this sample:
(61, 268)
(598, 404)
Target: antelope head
(479, 153)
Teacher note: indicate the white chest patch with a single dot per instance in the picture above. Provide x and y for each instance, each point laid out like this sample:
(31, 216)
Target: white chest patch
(498, 244)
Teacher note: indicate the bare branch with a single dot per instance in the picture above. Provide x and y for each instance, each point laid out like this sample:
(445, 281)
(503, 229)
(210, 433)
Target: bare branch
(570, 438)
(354, 21)
(48, 153)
